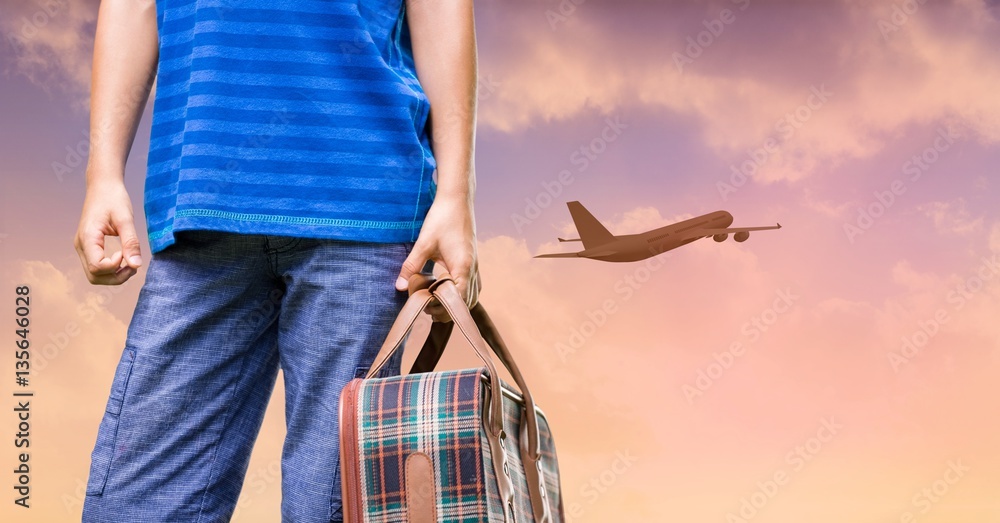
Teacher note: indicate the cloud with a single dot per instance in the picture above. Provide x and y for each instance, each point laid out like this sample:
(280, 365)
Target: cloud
(904, 274)
(813, 200)
(545, 76)
(994, 240)
(826, 356)
(935, 67)
(52, 44)
(931, 69)
(952, 217)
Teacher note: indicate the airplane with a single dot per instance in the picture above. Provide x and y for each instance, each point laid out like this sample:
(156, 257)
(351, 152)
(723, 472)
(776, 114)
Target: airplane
(599, 244)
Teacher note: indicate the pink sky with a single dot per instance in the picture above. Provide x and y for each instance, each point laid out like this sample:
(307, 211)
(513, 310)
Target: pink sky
(818, 398)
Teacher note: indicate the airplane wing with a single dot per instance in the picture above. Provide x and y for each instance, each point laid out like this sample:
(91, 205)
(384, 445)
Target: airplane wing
(558, 255)
(733, 230)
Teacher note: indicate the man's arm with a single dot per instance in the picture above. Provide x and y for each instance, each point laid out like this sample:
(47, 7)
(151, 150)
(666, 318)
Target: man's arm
(443, 37)
(126, 50)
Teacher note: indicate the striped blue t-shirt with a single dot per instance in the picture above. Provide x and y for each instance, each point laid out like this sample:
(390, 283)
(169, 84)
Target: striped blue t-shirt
(299, 118)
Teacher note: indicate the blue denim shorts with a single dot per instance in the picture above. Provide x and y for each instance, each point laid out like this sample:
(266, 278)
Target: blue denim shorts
(217, 314)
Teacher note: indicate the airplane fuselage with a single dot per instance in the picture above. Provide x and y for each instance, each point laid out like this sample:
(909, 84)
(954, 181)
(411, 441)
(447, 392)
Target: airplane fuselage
(634, 247)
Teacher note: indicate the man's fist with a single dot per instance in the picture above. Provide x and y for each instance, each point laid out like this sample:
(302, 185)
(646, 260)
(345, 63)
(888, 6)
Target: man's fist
(107, 211)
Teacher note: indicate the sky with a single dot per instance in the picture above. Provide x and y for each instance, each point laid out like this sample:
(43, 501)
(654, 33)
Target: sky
(843, 368)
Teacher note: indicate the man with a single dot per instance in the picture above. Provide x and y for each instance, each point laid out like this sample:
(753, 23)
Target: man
(288, 186)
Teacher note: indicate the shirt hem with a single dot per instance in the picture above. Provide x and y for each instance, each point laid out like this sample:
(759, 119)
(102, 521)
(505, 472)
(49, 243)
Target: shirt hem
(320, 228)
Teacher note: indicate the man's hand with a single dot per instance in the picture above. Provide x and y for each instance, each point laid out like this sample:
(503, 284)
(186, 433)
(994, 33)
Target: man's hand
(443, 36)
(126, 54)
(107, 210)
(448, 236)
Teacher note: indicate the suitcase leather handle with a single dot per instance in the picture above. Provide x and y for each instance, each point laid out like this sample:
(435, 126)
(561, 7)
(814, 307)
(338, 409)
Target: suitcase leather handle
(416, 303)
(479, 330)
(430, 354)
(428, 358)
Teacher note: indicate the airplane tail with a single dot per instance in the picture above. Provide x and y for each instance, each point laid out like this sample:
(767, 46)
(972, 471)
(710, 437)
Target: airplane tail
(592, 233)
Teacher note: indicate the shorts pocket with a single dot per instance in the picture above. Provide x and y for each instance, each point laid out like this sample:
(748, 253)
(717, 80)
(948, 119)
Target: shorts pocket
(336, 500)
(107, 433)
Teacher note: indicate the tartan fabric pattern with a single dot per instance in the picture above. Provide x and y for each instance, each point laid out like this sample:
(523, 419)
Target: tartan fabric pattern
(441, 415)
(522, 498)
(437, 413)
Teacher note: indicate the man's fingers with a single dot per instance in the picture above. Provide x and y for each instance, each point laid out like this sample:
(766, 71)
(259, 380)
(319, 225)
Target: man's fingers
(99, 268)
(474, 289)
(412, 265)
(118, 278)
(464, 280)
(461, 273)
(107, 212)
(94, 260)
(130, 242)
(115, 275)
(417, 281)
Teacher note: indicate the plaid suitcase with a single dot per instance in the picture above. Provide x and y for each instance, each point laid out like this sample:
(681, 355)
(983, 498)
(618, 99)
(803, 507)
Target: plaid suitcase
(432, 447)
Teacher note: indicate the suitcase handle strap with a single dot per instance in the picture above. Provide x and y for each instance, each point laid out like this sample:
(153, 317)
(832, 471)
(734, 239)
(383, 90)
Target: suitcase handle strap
(530, 442)
(416, 303)
(481, 333)
(437, 339)
(482, 324)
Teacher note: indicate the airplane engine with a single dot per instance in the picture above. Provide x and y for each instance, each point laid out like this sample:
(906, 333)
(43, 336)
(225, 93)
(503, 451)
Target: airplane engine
(741, 236)
(720, 237)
